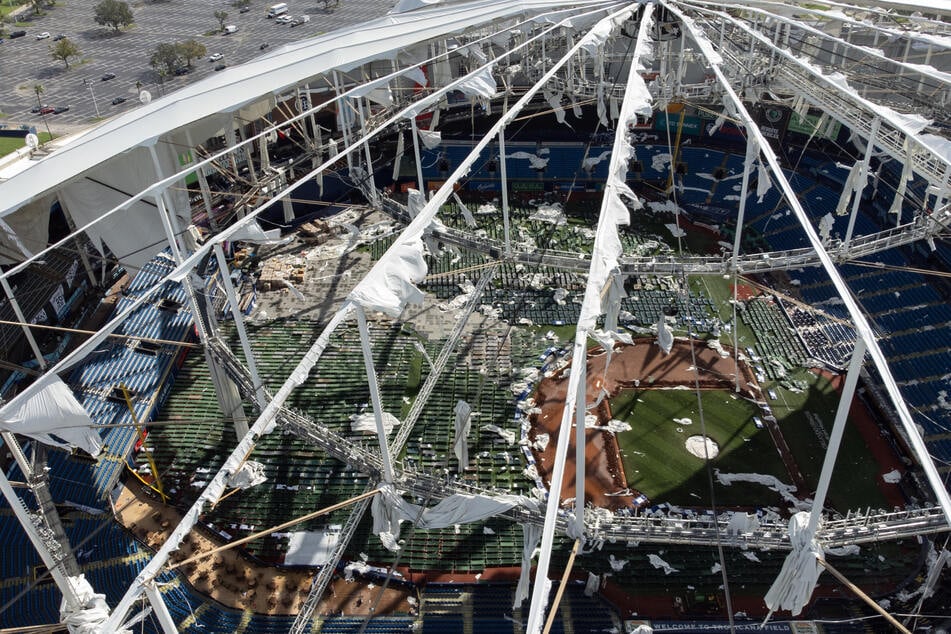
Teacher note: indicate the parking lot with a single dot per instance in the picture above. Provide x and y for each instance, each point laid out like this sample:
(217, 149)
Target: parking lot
(26, 61)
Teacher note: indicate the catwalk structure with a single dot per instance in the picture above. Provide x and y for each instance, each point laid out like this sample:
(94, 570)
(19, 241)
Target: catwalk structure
(482, 248)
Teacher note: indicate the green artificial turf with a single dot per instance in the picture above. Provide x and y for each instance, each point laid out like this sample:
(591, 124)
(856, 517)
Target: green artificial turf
(658, 465)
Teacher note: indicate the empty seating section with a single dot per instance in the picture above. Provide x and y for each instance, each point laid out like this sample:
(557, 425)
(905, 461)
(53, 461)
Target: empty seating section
(777, 339)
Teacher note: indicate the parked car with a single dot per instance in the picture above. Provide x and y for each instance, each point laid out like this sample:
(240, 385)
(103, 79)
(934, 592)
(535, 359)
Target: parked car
(214, 57)
(221, 66)
(118, 100)
(16, 34)
(263, 46)
(182, 70)
(284, 19)
(300, 20)
(43, 36)
(231, 28)
(47, 110)
(61, 36)
(244, 9)
(108, 76)
(60, 109)
(36, 109)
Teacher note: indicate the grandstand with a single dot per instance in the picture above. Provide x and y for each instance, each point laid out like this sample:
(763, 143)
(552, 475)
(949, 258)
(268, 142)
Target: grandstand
(326, 342)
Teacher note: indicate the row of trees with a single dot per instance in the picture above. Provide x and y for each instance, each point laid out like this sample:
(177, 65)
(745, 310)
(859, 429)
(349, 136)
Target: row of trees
(168, 57)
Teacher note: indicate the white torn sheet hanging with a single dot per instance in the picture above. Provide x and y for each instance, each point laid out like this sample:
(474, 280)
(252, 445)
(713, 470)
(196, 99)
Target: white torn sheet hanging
(505, 434)
(417, 75)
(800, 572)
(430, 138)
(851, 186)
(391, 283)
(466, 214)
(250, 474)
(389, 509)
(763, 182)
(461, 426)
(91, 613)
(365, 423)
(531, 536)
(907, 175)
(252, 232)
(535, 162)
(480, 84)
(592, 585)
(415, 201)
(665, 338)
(54, 417)
(554, 100)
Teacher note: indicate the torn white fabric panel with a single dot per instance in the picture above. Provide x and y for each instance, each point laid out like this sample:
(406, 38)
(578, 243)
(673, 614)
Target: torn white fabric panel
(848, 189)
(554, 100)
(665, 338)
(466, 214)
(479, 84)
(250, 474)
(415, 201)
(763, 182)
(592, 585)
(590, 162)
(430, 138)
(389, 509)
(365, 423)
(800, 572)
(505, 434)
(54, 417)
(391, 283)
(604, 258)
(595, 38)
(536, 162)
(531, 535)
(417, 75)
(907, 175)
(252, 232)
(91, 613)
(461, 426)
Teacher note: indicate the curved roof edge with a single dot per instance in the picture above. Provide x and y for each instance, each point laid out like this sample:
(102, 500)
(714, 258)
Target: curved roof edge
(229, 90)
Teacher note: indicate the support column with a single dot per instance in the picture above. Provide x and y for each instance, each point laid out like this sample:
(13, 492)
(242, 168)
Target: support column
(752, 151)
(581, 404)
(343, 117)
(202, 185)
(229, 399)
(857, 192)
(239, 325)
(161, 610)
(374, 198)
(83, 257)
(374, 393)
(503, 174)
(55, 567)
(23, 322)
(419, 163)
(37, 478)
(835, 438)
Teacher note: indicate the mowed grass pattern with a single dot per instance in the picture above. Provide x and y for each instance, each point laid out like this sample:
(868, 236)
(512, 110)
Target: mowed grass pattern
(657, 464)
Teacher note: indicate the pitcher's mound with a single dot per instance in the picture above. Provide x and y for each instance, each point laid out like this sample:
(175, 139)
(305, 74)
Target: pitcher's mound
(695, 445)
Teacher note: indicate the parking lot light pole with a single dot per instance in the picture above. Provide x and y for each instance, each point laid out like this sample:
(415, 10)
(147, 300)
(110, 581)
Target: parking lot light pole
(95, 103)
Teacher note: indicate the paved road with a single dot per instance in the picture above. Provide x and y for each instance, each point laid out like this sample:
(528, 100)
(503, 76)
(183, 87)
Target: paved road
(26, 61)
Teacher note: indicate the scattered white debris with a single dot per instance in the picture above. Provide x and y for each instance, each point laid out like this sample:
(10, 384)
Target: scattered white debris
(657, 562)
(892, 477)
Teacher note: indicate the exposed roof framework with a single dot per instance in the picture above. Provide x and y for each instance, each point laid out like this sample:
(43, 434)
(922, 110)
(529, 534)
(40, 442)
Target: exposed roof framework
(503, 56)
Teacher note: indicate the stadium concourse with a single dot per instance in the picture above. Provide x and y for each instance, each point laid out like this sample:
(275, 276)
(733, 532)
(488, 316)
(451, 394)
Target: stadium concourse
(305, 346)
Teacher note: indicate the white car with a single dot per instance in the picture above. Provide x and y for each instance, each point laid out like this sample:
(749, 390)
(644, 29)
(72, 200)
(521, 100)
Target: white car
(284, 19)
(215, 57)
(43, 36)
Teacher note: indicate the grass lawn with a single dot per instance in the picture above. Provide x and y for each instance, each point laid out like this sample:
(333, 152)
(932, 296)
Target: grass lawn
(658, 465)
(11, 144)
(854, 479)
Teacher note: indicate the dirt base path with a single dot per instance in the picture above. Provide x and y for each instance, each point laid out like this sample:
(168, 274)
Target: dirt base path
(642, 365)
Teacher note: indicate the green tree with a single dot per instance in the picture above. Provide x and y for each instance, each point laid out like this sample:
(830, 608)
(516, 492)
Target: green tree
(221, 16)
(165, 59)
(190, 50)
(63, 50)
(39, 90)
(38, 6)
(240, 4)
(114, 13)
